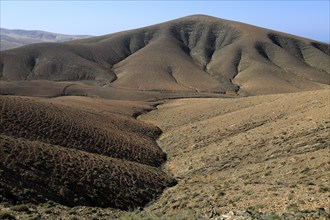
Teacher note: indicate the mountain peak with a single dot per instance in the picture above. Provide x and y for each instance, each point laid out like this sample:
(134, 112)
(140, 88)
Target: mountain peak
(198, 17)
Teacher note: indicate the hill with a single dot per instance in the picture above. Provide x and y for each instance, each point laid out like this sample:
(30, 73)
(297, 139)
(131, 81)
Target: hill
(54, 152)
(16, 38)
(195, 53)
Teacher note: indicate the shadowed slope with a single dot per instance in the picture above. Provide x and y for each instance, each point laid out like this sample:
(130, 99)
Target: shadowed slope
(195, 53)
(32, 171)
(77, 157)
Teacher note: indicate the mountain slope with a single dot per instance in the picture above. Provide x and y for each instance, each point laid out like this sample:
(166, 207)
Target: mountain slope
(16, 38)
(194, 53)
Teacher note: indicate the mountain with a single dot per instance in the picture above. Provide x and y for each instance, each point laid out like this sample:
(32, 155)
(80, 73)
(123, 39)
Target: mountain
(196, 53)
(16, 38)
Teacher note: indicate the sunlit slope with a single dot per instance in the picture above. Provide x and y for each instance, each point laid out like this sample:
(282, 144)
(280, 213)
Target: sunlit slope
(268, 152)
(194, 53)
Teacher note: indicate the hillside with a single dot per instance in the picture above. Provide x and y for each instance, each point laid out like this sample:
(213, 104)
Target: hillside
(195, 53)
(11, 39)
(77, 156)
(264, 153)
(260, 157)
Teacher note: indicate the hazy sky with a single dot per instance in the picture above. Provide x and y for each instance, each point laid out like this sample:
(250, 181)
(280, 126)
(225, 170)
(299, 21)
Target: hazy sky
(303, 18)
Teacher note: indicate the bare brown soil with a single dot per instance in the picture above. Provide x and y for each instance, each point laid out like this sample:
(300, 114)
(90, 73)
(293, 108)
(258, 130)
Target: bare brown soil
(50, 89)
(77, 157)
(110, 135)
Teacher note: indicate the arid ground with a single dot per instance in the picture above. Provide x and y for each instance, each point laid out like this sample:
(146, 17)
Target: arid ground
(268, 153)
(195, 118)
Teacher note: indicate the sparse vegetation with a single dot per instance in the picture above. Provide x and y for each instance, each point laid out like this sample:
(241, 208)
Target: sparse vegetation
(21, 208)
(253, 171)
(6, 216)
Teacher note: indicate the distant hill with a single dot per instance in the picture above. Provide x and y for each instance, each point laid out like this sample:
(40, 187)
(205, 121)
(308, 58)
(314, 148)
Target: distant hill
(196, 53)
(16, 38)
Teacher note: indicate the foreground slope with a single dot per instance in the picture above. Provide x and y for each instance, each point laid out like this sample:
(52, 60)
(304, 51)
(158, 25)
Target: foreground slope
(268, 153)
(73, 156)
(249, 155)
(16, 38)
(194, 53)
